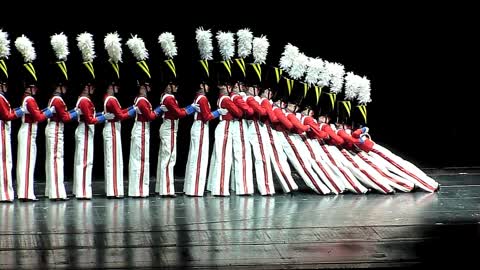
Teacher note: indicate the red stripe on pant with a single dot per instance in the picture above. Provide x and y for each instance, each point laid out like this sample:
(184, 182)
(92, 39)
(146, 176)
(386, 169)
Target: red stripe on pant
(297, 155)
(402, 169)
(55, 165)
(114, 153)
(27, 174)
(364, 171)
(341, 169)
(172, 143)
(244, 165)
(85, 157)
(309, 147)
(4, 161)
(142, 158)
(199, 158)
(262, 152)
(224, 149)
(383, 174)
(277, 160)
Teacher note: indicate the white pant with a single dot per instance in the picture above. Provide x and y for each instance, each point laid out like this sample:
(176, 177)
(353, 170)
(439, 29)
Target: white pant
(82, 171)
(197, 162)
(351, 183)
(242, 158)
(6, 188)
(404, 168)
(280, 162)
(396, 181)
(167, 157)
(297, 155)
(112, 152)
(55, 188)
(261, 147)
(26, 156)
(139, 160)
(331, 180)
(221, 161)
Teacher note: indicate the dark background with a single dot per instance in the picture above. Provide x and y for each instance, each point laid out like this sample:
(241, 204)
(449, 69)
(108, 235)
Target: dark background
(420, 61)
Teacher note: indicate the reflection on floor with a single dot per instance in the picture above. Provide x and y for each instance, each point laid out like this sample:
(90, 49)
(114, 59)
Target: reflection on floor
(279, 232)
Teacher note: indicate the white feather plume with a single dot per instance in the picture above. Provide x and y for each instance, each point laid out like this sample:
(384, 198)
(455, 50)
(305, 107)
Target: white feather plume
(288, 56)
(314, 67)
(336, 74)
(363, 95)
(352, 85)
(167, 41)
(245, 38)
(60, 46)
(137, 47)
(299, 67)
(4, 45)
(87, 47)
(113, 46)
(260, 49)
(204, 41)
(25, 47)
(226, 44)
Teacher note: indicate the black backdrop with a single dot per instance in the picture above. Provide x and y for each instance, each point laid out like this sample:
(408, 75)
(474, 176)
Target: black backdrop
(424, 98)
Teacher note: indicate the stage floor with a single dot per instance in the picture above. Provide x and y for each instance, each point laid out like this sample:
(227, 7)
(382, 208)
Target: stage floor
(279, 232)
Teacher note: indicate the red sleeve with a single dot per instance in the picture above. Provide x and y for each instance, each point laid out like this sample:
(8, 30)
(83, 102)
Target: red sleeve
(231, 107)
(205, 109)
(357, 133)
(113, 106)
(256, 106)
(146, 110)
(367, 146)
(315, 130)
(347, 138)
(334, 138)
(283, 119)
(240, 103)
(296, 124)
(6, 113)
(34, 111)
(87, 112)
(61, 110)
(269, 110)
(173, 108)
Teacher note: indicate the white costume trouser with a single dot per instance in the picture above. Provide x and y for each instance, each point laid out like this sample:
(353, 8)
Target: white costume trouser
(242, 177)
(112, 151)
(279, 162)
(139, 160)
(395, 181)
(351, 183)
(331, 180)
(167, 157)
(55, 188)
(221, 161)
(366, 174)
(26, 156)
(82, 171)
(404, 168)
(197, 162)
(261, 147)
(6, 188)
(296, 152)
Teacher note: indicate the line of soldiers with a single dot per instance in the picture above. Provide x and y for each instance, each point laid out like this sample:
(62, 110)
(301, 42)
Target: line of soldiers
(285, 123)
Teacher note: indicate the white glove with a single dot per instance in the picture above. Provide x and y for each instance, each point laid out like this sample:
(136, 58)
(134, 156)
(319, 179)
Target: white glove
(24, 110)
(163, 108)
(196, 107)
(222, 111)
(52, 109)
(109, 116)
(137, 110)
(79, 112)
(242, 94)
